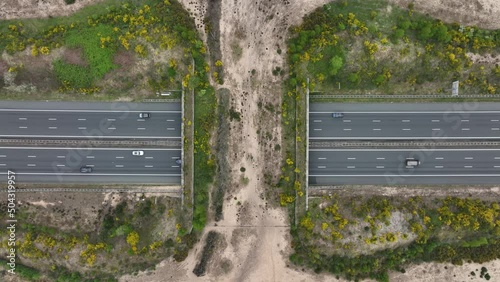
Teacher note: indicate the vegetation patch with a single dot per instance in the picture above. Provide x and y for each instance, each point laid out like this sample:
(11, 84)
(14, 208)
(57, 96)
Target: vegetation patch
(159, 34)
(212, 28)
(205, 120)
(359, 47)
(223, 181)
(211, 242)
(132, 236)
(367, 237)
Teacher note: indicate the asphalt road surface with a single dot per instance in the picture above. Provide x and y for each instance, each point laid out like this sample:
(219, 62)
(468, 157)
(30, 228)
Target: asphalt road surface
(110, 165)
(387, 166)
(90, 120)
(405, 122)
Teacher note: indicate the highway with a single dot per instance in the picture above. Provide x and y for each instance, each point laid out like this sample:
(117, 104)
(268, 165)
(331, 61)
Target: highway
(110, 165)
(404, 122)
(386, 166)
(90, 120)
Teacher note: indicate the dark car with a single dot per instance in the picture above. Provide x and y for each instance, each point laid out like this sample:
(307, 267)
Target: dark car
(337, 115)
(178, 161)
(144, 115)
(85, 169)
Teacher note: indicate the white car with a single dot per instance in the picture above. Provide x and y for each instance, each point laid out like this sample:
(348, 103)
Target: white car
(412, 163)
(137, 153)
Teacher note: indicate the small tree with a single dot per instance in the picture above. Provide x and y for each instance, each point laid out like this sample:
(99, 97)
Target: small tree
(398, 34)
(336, 64)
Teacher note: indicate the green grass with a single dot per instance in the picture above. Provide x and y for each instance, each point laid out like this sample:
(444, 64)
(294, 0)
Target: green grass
(476, 243)
(99, 59)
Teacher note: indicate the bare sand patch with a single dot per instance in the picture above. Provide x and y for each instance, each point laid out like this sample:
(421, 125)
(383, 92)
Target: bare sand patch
(15, 9)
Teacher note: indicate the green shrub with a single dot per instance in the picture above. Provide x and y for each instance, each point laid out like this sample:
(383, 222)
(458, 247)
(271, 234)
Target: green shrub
(27, 272)
(208, 250)
(76, 76)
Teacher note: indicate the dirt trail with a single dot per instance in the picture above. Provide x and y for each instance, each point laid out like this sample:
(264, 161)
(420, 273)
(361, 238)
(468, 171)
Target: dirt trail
(258, 251)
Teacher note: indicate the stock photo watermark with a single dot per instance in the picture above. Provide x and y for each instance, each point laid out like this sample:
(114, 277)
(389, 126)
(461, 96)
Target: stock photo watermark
(75, 156)
(457, 115)
(11, 221)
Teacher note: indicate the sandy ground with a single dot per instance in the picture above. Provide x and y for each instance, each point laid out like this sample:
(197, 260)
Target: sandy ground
(257, 236)
(13, 9)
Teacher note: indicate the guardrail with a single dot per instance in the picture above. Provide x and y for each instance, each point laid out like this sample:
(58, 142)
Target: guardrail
(37, 142)
(103, 190)
(370, 96)
(161, 100)
(336, 144)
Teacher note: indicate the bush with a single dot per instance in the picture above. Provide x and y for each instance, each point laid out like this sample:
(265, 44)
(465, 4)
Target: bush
(27, 272)
(69, 2)
(208, 250)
